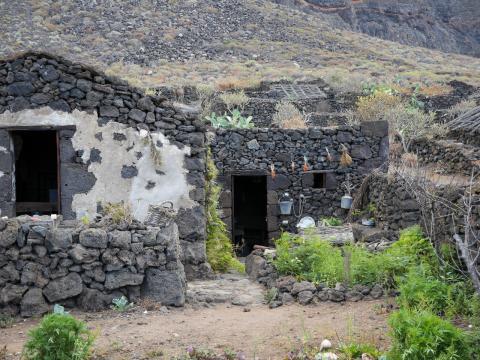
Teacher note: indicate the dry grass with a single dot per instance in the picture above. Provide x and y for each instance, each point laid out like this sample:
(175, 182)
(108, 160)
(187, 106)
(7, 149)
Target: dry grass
(375, 107)
(310, 47)
(462, 107)
(287, 116)
(236, 99)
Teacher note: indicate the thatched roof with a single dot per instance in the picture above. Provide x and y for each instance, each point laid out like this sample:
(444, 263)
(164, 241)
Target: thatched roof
(469, 121)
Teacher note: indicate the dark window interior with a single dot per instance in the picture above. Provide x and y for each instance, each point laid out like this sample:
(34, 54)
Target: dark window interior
(249, 213)
(319, 180)
(36, 172)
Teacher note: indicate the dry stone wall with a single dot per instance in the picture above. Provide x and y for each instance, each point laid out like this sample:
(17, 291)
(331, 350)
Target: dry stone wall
(244, 152)
(447, 156)
(42, 264)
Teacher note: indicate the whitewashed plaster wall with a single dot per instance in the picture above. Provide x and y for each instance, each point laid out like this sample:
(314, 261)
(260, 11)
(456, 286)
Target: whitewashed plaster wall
(122, 163)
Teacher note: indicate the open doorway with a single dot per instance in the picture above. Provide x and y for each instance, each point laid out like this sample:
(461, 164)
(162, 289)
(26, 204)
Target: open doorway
(36, 172)
(249, 212)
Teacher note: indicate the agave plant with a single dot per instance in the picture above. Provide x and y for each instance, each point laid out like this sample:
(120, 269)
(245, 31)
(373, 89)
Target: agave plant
(234, 120)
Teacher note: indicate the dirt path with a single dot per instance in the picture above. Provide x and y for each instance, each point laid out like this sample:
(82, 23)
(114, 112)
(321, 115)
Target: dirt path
(261, 332)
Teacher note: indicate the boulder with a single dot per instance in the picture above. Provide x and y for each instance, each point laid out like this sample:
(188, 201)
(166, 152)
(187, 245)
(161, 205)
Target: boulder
(285, 283)
(335, 295)
(353, 295)
(94, 238)
(9, 273)
(63, 288)
(361, 152)
(368, 234)
(58, 239)
(287, 299)
(303, 286)
(167, 287)
(168, 235)
(121, 278)
(120, 239)
(305, 297)
(8, 236)
(254, 264)
(80, 254)
(33, 303)
(33, 274)
(376, 292)
(149, 237)
(12, 293)
(93, 300)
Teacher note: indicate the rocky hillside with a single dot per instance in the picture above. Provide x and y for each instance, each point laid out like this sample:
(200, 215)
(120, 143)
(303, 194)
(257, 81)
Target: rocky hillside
(229, 43)
(446, 25)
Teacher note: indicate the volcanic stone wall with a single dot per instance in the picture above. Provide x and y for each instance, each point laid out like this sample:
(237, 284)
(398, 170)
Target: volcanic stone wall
(38, 81)
(252, 152)
(42, 264)
(448, 156)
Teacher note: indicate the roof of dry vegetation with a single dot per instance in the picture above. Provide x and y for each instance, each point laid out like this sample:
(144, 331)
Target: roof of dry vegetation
(469, 121)
(230, 43)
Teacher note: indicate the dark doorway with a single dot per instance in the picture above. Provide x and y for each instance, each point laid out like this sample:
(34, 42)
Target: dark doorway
(36, 172)
(249, 212)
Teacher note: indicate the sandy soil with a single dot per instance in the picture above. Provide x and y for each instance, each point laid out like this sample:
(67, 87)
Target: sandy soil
(259, 332)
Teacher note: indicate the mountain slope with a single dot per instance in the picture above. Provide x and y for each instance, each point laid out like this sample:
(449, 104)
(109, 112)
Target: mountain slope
(446, 25)
(227, 42)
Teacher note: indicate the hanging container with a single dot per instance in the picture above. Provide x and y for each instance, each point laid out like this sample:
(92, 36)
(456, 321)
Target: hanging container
(346, 202)
(285, 203)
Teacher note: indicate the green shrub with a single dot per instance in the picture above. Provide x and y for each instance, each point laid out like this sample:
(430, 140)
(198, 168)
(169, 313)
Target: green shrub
(331, 221)
(312, 259)
(6, 321)
(59, 337)
(423, 335)
(420, 290)
(354, 350)
(219, 247)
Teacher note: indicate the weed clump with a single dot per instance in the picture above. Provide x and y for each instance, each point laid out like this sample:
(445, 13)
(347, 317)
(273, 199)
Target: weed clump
(287, 116)
(59, 337)
(219, 247)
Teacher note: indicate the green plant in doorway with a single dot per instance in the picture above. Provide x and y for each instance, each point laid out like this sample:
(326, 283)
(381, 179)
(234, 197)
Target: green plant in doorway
(220, 253)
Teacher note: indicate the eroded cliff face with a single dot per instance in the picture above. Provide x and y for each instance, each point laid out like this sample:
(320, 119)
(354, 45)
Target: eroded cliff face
(446, 25)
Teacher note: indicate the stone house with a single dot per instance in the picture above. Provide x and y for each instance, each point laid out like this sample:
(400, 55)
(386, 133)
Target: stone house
(73, 140)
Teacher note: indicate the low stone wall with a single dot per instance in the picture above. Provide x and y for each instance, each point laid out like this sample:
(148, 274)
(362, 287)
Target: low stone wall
(447, 155)
(86, 267)
(466, 137)
(290, 290)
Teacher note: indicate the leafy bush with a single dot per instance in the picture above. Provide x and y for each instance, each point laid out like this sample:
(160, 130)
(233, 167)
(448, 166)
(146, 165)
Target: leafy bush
(59, 337)
(6, 321)
(219, 247)
(354, 350)
(420, 290)
(331, 221)
(312, 259)
(423, 335)
(287, 116)
(233, 121)
(315, 259)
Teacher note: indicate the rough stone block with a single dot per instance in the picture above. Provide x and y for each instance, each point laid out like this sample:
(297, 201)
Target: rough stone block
(63, 288)
(120, 239)
(121, 278)
(33, 303)
(94, 238)
(167, 287)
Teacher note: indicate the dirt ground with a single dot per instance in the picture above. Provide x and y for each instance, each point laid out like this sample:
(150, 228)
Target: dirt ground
(259, 332)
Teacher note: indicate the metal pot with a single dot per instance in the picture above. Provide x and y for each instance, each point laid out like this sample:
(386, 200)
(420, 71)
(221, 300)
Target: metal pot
(346, 202)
